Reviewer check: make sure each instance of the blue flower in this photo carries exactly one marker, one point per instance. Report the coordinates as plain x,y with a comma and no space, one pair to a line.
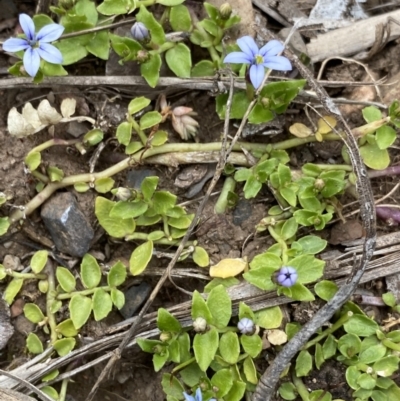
286,276
197,397
139,31
259,59
36,46
246,326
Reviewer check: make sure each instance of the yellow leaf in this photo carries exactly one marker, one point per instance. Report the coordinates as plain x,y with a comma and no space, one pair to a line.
300,130
228,268
318,136
277,337
326,124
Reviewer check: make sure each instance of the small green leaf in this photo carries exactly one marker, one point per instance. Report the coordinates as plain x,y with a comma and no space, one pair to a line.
200,257
259,114
138,104
269,318
385,136
117,275
289,228
361,326
64,346
205,346
51,392
375,158
124,133
349,345
118,298
287,391
33,160
222,380
81,187
325,289
299,292
159,138
50,376
252,345
179,60
220,306
38,261
372,354
245,311
229,347
172,387
167,322
236,392
90,271
179,18
329,347
150,119
80,308
99,46
312,244
103,185
352,375
371,113
140,258
319,356
54,173
67,328
303,363
162,201
148,19
12,290
250,370
126,209
148,187
385,367
203,68
200,308
110,7
66,279
33,313
389,299
102,304
308,268
34,344
150,70
4,225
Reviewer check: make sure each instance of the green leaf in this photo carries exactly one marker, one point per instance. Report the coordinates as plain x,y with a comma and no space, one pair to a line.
54,173
167,322
389,299
127,210
237,390
352,375
150,70
124,133
66,279
32,160
64,346
385,367
138,104
110,7
308,268
179,18
4,225
299,292
229,347
12,290
371,113
303,364
325,289
222,381
240,103
375,158
162,201
245,311
289,228
220,306
319,356
80,308
205,346
103,185
269,318
200,257
372,354
51,392
261,277
67,328
50,376
250,370
38,261
203,68
102,304
287,391
289,195
99,46
252,345
385,136
90,271
140,258
252,187
81,187
159,138
361,326
172,386
118,298
366,381
259,114
72,51
329,347
170,3
34,344
33,313
148,186
117,275
150,119
179,60
349,345
156,30
312,244
117,228
200,308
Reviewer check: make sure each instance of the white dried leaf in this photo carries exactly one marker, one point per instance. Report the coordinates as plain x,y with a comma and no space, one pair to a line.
47,114
68,107
277,337
31,115
17,125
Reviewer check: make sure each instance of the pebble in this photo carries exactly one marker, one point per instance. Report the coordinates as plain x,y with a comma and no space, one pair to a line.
68,226
242,212
134,297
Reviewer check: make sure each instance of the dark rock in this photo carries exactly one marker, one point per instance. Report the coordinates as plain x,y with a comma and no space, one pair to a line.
135,178
134,297
6,328
68,227
242,212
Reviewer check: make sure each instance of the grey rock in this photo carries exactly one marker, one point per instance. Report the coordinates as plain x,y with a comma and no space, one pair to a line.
242,212
134,297
135,178
68,227
77,129
6,328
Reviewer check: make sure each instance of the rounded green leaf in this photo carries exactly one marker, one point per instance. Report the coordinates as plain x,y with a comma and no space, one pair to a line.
229,347
287,391
12,290
34,344
155,28
361,326
389,299
372,354
371,113
366,381
375,158
150,70
200,308
103,185
289,228
352,375
167,322
126,209
385,137
250,370
172,386
220,306
66,279
200,257
80,308
150,119
51,392
117,275
102,304
118,298
159,138
303,363
308,268
170,3
236,392
38,261
205,346
138,104
33,313
179,18
385,367
325,289
312,244
140,258
270,318
32,160
179,60
252,345
124,133
50,376
204,68
81,187
148,187
222,380
90,271
67,328
64,346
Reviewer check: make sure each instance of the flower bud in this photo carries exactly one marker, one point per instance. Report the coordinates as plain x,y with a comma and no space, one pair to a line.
286,276
139,31
246,326
122,194
165,336
142,56
200,325
319,183
225,11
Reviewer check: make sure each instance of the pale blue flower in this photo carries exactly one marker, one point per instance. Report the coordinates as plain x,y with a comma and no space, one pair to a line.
246,326
36,46
259,59
197,397
286,276
139,31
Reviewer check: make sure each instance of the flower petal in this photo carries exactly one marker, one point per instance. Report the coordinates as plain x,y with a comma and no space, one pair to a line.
278,63
248,46
27,26
31,61
188,397
15,45
50,33
257,72
238,58
272,48
50,53
199,395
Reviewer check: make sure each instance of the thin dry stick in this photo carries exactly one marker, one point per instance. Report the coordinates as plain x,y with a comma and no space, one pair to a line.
117,353
266,386
28,385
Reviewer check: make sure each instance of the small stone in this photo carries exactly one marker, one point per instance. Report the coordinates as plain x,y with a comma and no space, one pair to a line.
135,178
68,227
242,212
77,129
6,328
134,297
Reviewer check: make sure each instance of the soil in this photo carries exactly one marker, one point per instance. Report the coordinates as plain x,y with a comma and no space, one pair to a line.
223,236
